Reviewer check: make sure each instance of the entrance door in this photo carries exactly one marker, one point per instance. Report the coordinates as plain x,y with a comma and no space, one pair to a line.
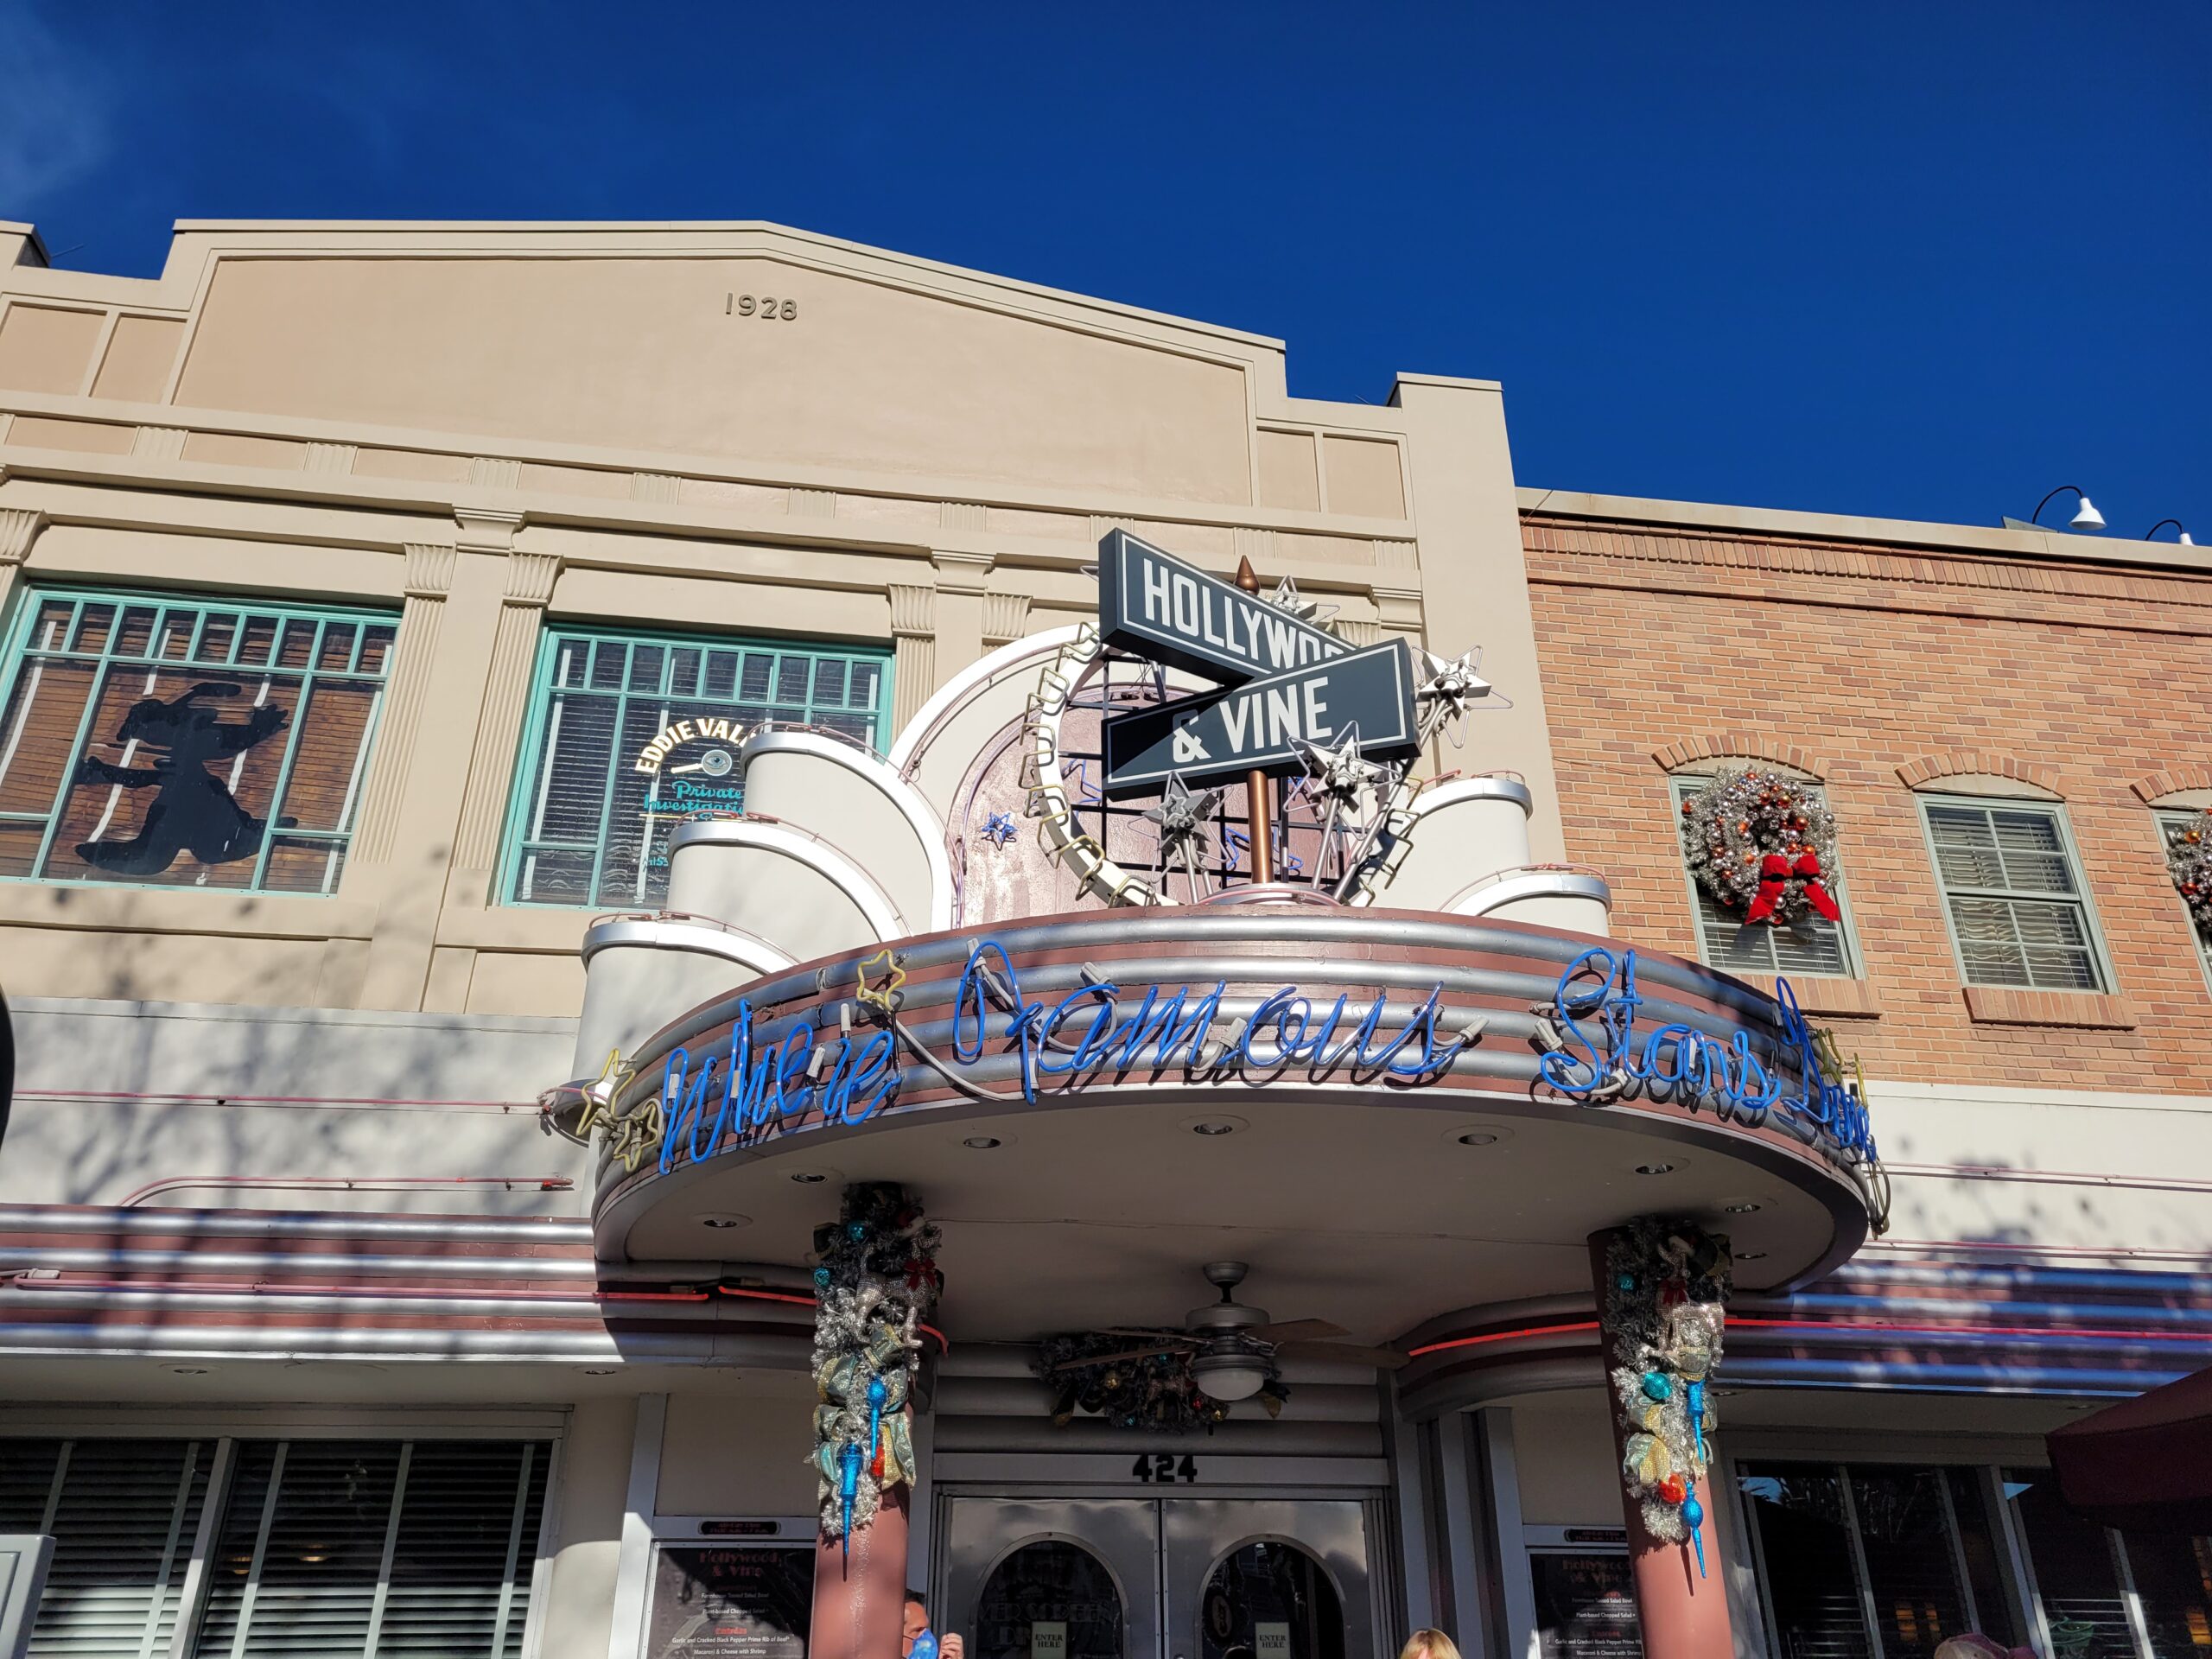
1037,1578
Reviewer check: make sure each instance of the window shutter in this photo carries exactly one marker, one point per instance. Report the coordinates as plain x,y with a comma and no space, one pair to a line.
381,1549
125,1515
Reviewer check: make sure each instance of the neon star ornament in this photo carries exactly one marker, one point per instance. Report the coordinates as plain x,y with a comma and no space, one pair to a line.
881,993
1448,684
1341,777
600,1092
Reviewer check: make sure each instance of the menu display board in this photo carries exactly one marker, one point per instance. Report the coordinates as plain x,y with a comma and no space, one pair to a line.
716,1601
1584,1606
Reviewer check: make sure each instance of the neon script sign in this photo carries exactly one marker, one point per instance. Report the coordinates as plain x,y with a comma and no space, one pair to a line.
1595,1054
1099,1028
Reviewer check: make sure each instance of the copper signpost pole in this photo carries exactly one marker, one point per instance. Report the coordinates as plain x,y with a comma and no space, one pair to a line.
1259,793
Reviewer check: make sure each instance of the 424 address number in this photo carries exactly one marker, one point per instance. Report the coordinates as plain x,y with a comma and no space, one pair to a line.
1165,1469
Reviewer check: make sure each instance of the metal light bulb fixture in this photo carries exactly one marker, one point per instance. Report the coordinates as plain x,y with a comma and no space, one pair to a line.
2184,540
2086,517
1226,1368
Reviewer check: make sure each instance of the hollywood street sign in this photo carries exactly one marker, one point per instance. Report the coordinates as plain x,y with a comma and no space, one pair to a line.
1252,728
1152,604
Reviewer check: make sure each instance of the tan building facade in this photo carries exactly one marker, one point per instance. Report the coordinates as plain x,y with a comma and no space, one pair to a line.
445,664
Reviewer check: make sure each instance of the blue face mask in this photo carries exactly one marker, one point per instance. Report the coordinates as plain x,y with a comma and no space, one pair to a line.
925,1645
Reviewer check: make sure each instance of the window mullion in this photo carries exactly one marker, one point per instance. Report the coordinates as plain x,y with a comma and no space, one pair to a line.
2138,1625
1958,1551
252,1591
390,1545
343,836
203,1545
99,667
53,1487
621,700
514,1549
300,703
1868,1610
169,1551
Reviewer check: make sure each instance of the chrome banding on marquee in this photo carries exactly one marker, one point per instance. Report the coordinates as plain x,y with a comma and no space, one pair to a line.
1400,1009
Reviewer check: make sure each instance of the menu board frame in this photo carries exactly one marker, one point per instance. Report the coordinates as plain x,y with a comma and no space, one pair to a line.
1595,1559
671,1628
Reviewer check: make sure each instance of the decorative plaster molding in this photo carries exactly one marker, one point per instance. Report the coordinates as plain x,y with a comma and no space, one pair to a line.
1357,635
1743,745
430,569
334,459
1396,555
1258,545
662,489
529,578
486,529
1980,763
2174,780
158,443
913,612
814,503
962,515
19,528
1006,618
494,472
962,573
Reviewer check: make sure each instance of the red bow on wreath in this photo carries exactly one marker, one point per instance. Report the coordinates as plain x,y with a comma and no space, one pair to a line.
1775,872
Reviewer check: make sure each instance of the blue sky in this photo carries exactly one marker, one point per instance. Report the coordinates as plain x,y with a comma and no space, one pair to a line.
1923,260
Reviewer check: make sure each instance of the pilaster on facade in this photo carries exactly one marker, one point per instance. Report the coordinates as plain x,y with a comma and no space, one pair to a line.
486,530
913,648
529,578
1396,589
429,580
963,590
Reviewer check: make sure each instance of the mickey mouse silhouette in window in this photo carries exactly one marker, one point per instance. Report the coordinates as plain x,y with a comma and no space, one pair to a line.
193,811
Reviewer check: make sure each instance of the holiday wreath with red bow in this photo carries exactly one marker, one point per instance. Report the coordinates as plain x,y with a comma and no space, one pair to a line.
2189,856
1763,844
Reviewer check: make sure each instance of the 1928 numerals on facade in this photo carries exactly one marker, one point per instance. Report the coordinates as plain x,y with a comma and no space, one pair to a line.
765,307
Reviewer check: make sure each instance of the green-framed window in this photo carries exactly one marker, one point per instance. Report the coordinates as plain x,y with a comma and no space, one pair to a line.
2013,891
2172,822
629,734
167,741
1813,945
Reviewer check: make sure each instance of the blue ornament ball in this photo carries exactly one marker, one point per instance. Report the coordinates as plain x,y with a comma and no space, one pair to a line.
1626,1281
1692,1514
822,1278
856,1231
1657,1385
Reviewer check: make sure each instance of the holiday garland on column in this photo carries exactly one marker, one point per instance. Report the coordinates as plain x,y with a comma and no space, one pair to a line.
2188,857
1763,844
876,1281
1667,1286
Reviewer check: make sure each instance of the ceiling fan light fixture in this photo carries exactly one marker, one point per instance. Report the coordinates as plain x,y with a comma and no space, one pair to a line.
1228,1376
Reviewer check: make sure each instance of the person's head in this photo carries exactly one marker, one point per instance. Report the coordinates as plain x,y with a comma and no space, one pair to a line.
1429,1644
914,1619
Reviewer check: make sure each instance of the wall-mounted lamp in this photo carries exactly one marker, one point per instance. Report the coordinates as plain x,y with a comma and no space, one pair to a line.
2086,517
2151,533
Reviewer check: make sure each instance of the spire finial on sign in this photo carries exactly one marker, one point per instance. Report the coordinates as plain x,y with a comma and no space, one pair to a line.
1259,794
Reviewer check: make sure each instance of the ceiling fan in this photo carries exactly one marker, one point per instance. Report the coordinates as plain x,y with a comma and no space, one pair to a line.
1232,1346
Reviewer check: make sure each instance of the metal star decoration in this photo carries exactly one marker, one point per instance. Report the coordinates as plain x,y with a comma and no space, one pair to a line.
999,830
1182,817
599,1093
1448,685
1287,597
630,1138
881,993
1340,778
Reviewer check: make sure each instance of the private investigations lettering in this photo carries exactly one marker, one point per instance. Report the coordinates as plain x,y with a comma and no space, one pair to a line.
847,1074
